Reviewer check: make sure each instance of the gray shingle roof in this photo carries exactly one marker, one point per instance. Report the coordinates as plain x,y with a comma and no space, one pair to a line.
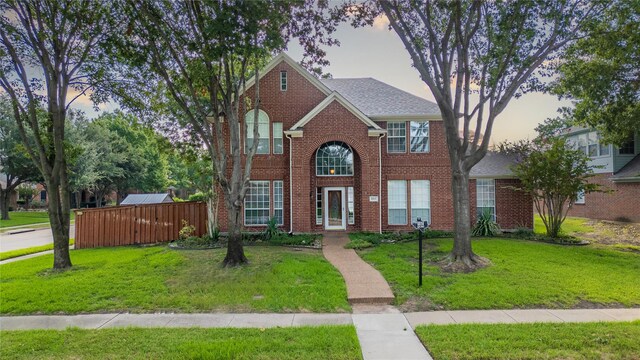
630,172
377,99
494,165
138,199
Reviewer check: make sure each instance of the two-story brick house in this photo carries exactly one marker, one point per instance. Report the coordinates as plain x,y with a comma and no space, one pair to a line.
617,169
354,154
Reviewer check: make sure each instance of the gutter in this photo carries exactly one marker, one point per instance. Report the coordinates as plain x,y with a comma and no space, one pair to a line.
290,183
380,180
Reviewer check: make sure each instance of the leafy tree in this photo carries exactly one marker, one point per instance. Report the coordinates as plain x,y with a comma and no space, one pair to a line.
475,56
196,56
600,73
15,163
554,174
27,192
49,49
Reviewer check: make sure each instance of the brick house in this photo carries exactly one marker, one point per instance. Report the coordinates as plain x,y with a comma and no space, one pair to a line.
354,154
617,169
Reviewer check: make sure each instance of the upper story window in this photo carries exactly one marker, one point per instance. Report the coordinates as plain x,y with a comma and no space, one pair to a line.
628,148
263,132
334,158
590,144
419,133
277,138
396,137
283,80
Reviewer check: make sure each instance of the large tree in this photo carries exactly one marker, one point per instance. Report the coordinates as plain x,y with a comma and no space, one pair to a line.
48,58
601,74
475,56
15,165
198,55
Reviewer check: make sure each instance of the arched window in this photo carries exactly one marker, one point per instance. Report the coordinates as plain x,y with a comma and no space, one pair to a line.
263,132
334,158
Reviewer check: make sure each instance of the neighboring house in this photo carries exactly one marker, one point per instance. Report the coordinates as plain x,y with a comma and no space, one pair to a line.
617,169
13,197
140,199
491,189
354,154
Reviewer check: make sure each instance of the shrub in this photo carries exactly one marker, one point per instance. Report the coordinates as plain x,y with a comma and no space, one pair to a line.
199,196
295,240
187,230
485,226
358,244
271,230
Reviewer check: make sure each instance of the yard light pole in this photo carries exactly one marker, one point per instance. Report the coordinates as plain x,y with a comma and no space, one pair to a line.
420,226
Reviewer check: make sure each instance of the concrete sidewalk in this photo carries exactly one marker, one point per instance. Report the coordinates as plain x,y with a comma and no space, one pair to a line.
365,285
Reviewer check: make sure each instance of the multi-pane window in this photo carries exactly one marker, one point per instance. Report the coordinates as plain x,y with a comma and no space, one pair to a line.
263,132
628,148
277,138
334,158
396,137
283,80
319,206
580,198
350,205
278,203
419,136
256,203
589,144
593,147
420,200
397,197
486,196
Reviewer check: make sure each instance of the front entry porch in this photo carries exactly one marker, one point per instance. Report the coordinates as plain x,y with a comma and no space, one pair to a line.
335,207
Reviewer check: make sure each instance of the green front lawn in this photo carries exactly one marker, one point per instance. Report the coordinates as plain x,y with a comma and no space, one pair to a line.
322,342
28,251
159,279
524,274
533,341
572,226
19,218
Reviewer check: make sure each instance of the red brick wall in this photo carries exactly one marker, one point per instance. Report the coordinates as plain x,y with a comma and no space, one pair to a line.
514,209
622,203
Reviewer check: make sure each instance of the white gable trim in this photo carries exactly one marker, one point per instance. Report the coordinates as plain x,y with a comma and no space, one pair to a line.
302,71
335,96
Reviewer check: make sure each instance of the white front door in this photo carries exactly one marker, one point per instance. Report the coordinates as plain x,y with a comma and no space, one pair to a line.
334,209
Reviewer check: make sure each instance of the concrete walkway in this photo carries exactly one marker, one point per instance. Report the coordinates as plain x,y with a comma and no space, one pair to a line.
365,285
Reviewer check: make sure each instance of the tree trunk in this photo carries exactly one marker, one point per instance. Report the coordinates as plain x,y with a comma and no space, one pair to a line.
5,196
462,257
59,217
235,253
78,199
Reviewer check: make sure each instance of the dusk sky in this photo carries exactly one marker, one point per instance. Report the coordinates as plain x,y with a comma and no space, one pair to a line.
379,53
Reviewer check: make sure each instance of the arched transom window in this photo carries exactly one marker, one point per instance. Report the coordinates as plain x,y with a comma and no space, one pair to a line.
334,158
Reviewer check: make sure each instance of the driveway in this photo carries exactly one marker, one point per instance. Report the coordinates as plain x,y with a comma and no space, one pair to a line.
29,239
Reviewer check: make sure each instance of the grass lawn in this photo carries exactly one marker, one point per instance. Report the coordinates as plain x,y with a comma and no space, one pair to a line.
322,342
571,226
18,218
524,274
533,341
160,279
32,250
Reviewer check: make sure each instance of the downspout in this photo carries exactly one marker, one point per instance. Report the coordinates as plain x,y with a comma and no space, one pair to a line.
290,183
380,180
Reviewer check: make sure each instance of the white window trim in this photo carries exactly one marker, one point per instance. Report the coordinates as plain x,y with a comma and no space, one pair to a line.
389,208
244,207
428,200
353,170
494,207
285,77
273,138
428,137
351,202
397,137
580,198
246,133
281,208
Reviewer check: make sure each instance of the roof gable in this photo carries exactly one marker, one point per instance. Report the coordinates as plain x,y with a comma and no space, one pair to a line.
294,65
335,96
138,199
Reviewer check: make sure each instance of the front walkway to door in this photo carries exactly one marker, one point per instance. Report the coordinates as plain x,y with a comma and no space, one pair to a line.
365,285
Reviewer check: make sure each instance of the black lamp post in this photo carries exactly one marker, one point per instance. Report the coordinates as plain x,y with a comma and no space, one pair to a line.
420,226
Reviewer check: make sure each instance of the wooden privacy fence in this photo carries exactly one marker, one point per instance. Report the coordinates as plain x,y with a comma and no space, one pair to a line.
137,224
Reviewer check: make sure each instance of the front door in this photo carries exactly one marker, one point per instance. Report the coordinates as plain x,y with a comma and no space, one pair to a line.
334,214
